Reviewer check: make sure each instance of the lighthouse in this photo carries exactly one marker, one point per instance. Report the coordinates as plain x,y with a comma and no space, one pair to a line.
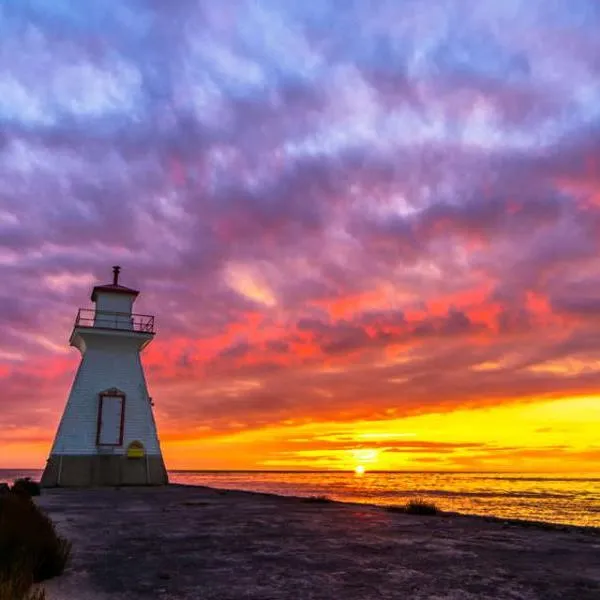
107,434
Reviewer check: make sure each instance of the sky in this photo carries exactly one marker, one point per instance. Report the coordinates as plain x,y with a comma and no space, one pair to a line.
369,231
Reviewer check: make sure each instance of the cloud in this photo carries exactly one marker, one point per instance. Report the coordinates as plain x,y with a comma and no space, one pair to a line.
356,210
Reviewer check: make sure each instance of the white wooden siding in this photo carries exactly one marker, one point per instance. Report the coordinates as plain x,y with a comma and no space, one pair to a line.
111,304
114,302
108,362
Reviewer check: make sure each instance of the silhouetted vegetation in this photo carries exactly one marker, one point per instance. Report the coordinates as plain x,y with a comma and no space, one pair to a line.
17,585
30,549
417,506
196,503
26,487
318,499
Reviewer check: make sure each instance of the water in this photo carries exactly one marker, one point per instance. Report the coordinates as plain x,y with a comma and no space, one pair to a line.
562,499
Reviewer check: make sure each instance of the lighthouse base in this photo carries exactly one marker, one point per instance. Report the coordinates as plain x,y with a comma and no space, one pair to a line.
103,470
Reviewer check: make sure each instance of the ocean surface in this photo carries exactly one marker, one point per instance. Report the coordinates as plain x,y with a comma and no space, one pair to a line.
573,499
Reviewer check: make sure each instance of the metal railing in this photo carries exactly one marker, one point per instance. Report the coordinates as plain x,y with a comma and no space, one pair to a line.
88,317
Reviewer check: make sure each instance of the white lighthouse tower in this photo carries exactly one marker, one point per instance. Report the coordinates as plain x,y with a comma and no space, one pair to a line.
107,434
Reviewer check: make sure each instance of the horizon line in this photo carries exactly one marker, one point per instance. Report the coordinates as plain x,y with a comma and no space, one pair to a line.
408,471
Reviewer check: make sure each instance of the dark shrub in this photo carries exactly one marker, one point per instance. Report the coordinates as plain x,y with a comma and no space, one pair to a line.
195,503
317,499
419,506
26,487
4,488
30,549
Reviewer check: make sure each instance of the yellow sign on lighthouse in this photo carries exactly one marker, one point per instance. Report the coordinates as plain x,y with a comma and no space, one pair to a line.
136,450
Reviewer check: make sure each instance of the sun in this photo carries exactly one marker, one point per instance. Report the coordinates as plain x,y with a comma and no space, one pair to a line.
359,469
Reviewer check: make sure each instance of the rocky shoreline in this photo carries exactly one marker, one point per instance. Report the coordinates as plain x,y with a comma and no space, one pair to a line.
188,542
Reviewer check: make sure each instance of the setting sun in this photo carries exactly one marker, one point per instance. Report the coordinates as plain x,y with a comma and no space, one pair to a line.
359,470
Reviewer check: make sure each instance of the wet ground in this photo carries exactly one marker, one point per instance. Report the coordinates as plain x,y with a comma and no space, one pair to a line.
202,544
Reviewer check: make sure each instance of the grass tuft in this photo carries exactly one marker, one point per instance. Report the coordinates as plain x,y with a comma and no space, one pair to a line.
17,585
317,499
30,549
195,503
420,506
416,506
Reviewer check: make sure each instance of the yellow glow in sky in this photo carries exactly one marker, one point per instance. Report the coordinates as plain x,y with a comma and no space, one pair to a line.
250,284
546,435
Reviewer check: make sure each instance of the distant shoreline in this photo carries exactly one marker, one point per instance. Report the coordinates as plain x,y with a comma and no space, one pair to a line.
546,525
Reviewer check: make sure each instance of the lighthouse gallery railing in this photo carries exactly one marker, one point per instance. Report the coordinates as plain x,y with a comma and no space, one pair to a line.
88,317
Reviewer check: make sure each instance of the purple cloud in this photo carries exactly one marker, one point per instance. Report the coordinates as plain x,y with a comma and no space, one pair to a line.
303,187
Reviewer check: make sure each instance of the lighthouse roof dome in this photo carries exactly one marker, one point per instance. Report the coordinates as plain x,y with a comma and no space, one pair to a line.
114,287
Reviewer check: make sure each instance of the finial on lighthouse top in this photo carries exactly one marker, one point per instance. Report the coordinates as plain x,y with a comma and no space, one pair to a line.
113,288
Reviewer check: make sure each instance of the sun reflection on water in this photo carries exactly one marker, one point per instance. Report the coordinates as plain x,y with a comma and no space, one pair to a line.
553,498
